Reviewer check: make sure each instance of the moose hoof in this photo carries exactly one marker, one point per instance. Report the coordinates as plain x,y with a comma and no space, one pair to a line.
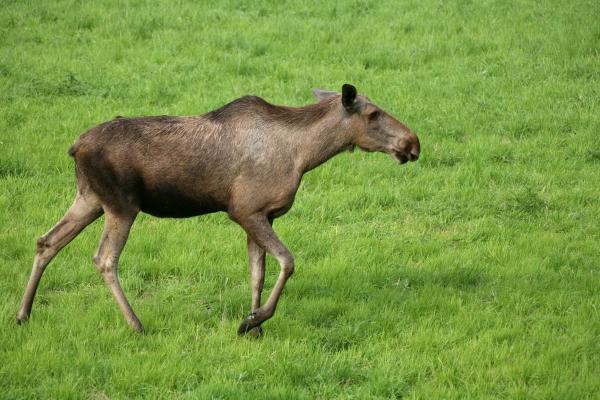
255,332
136,326
22,318
250,325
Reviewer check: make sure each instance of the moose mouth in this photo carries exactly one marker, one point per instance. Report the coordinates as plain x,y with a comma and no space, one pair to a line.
403,157
400,157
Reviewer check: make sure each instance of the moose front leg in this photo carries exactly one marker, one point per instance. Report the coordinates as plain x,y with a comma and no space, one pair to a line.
260,232
256,265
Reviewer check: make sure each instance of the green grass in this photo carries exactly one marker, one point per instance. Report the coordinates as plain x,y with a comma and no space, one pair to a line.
473,273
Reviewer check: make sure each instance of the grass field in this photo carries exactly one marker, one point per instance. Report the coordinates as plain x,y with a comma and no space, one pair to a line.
473,273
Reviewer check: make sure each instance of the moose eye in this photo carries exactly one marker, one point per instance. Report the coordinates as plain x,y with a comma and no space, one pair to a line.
374,115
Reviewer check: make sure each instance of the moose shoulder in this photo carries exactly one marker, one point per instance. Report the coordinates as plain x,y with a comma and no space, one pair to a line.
246,158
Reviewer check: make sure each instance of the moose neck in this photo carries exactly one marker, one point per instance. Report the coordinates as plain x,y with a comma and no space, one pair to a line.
324,138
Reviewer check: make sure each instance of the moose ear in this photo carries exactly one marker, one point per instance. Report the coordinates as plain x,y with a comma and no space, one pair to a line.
349,97
323,94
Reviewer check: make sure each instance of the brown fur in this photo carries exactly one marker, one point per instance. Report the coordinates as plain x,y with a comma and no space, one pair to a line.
246,158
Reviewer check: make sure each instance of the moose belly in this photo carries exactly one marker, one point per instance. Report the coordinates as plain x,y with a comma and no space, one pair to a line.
169,201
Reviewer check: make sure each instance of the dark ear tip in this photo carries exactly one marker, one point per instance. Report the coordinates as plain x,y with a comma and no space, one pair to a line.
348,88
348,96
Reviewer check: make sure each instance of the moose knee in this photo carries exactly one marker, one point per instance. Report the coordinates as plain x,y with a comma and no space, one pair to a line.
287,265
44,249
42,244
106,267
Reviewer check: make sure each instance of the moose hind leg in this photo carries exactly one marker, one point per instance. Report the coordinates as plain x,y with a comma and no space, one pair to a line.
84,211
116,232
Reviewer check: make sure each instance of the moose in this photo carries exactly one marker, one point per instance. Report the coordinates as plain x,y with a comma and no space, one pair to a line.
246,158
